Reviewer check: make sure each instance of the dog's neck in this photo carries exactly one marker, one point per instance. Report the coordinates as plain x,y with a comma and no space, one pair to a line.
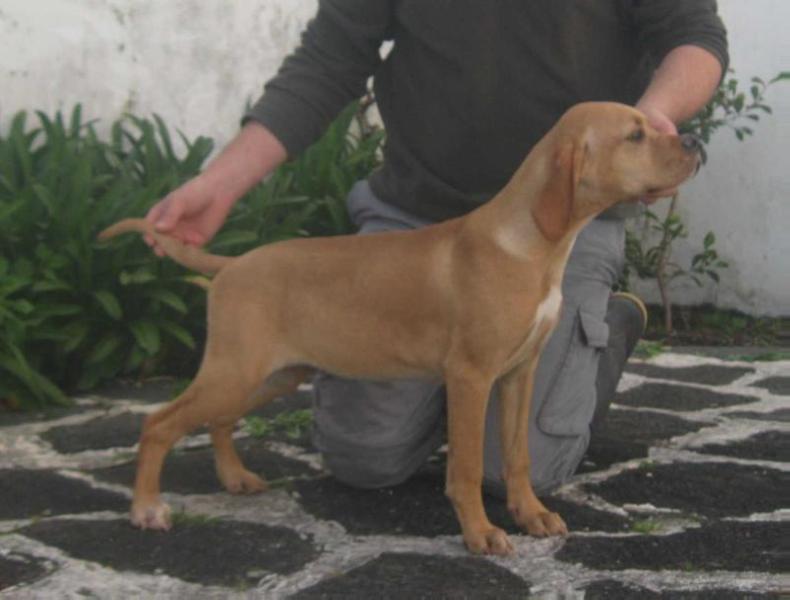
510,222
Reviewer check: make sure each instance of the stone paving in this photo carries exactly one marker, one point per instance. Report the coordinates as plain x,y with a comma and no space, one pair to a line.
685,495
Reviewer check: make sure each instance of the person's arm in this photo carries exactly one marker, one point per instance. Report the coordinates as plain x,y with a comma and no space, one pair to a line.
683,83
689,42
338,53
195,211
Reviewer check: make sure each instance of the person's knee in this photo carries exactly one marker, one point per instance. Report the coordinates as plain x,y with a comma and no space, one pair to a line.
367,469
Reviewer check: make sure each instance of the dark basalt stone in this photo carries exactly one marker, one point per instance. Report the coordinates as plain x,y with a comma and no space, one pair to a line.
150,391
616,590
193,471
421,577
776,385
628,434
118,431
678,397
18,569
705,489
702,374
768,445
419,507
211,552
782,415
727,546
27,493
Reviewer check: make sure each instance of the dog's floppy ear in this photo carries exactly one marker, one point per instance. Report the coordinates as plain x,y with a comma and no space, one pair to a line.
552,210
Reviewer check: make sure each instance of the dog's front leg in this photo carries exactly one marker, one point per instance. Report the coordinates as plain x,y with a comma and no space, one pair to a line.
467,396
515,399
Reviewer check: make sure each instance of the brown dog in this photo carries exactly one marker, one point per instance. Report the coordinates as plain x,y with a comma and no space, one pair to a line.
470,301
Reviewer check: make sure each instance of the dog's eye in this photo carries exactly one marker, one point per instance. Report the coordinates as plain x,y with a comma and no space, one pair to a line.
636,136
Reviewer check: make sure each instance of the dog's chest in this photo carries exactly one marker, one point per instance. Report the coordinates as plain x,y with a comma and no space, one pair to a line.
549,308
546,316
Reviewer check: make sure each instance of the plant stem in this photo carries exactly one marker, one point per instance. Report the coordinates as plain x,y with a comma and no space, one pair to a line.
661,270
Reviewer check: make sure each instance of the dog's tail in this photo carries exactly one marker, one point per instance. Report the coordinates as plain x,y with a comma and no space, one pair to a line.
184,254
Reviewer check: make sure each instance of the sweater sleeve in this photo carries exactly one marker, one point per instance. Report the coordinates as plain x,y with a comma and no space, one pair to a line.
662,25
339,51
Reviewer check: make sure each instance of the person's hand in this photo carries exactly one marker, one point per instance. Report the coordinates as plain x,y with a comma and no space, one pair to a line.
192,213
663,124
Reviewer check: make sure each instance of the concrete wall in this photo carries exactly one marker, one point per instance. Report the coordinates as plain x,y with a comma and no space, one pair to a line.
196,62
743,194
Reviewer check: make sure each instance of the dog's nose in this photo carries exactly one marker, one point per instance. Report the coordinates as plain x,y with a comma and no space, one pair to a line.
691,143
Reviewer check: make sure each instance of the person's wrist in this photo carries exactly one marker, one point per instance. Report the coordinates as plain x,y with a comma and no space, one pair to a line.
658,116
216,190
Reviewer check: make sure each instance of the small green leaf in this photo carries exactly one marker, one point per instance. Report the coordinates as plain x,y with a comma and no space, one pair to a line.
106,346
235,238
169,298
147,335
138,277
109,303
179,333
51,285
75,333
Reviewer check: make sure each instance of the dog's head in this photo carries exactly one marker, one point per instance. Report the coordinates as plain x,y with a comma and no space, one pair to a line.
602,153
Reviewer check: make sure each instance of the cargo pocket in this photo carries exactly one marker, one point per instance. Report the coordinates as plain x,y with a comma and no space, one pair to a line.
570,400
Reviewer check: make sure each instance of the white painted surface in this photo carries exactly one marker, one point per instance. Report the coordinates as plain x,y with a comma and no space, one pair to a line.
197,62
743,194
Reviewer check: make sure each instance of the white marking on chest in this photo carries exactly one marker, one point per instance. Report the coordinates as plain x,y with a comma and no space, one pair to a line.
547,310
549,307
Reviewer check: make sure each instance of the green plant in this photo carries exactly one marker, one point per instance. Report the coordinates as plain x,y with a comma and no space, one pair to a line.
293,424
19,378
89,314
307,196
645,526
655,262
648,349
74,312
729,108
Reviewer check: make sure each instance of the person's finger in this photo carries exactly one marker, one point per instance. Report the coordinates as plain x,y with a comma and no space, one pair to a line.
152,216
169,217
661,122
193,238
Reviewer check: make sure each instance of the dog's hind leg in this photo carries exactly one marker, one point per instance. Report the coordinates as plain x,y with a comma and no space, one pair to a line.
208,399
230,469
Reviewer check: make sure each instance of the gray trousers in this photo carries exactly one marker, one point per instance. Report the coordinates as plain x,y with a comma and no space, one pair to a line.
378,433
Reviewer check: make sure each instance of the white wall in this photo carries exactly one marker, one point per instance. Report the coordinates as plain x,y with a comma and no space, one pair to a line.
743,194
196,62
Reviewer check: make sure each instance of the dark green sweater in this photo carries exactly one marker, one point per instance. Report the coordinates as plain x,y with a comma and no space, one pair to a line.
471,85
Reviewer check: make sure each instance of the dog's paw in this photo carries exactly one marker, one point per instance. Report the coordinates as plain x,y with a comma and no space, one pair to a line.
543,524
492,540
151,516
243,482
